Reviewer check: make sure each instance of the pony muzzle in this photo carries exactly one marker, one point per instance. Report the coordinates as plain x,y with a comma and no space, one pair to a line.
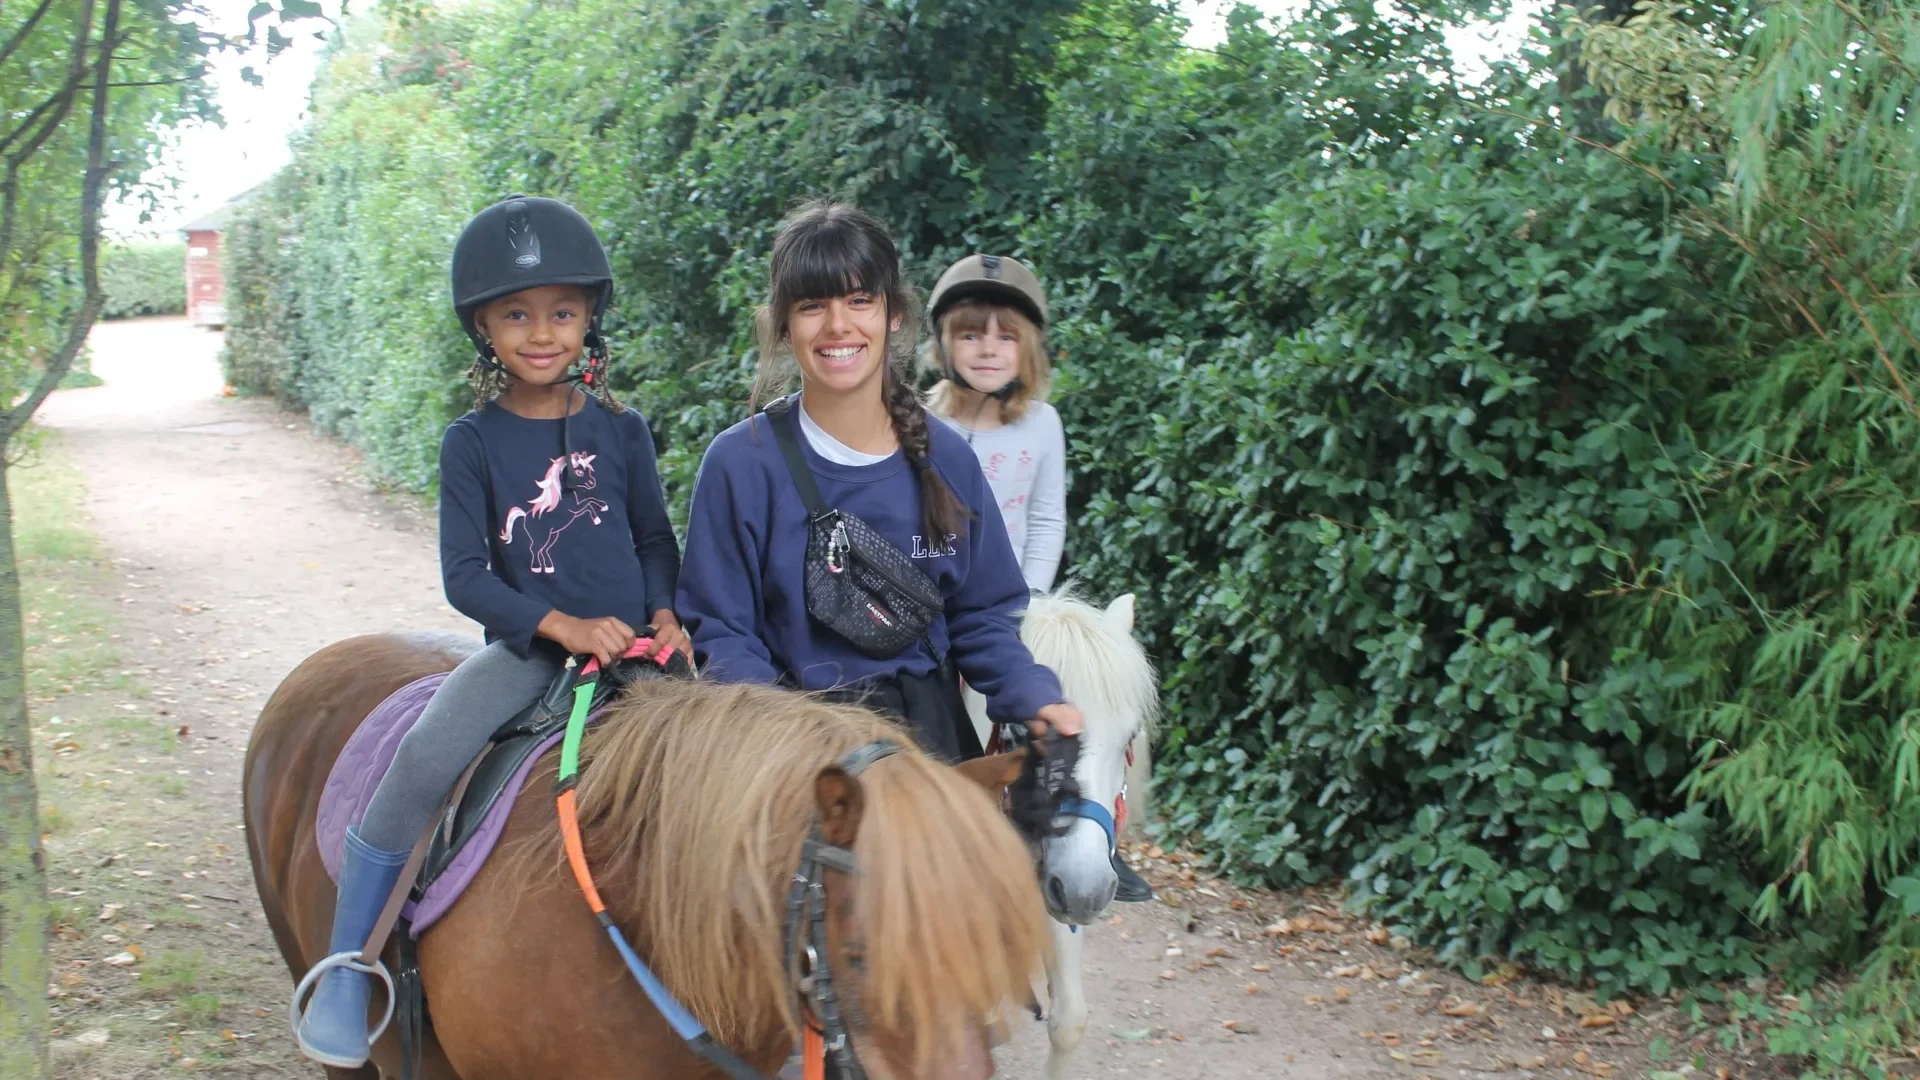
1079,883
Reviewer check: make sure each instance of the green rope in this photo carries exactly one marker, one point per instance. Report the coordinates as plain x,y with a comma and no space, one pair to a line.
576,727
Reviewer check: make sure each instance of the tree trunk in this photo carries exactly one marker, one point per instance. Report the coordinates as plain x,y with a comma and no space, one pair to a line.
25,918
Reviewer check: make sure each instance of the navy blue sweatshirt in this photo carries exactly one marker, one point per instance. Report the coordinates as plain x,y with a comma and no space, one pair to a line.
742,592
515,545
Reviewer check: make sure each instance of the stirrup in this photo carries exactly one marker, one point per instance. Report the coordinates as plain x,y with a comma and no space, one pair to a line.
349,959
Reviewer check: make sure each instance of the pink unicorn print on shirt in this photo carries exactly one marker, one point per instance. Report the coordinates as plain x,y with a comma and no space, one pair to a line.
549,500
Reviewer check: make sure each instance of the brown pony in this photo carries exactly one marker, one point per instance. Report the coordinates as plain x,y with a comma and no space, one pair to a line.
694,799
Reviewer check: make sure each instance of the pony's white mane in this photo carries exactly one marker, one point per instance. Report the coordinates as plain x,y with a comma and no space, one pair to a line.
1104,672
1103,663
1103,669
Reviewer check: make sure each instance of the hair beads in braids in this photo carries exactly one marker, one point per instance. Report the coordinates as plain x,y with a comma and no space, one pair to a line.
828,249
595,377
486,378
489,380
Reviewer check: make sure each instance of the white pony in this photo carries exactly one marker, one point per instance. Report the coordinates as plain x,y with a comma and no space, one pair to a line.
1108,675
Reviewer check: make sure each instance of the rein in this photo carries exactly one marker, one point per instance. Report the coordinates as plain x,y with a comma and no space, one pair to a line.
1110,822
806,930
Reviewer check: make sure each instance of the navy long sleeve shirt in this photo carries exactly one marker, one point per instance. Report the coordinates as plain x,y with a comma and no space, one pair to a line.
515,544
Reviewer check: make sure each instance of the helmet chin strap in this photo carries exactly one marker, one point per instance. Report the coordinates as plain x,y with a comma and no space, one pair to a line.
591,377
1001,395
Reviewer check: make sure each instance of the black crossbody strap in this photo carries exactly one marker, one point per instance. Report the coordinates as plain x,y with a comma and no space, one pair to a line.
786,430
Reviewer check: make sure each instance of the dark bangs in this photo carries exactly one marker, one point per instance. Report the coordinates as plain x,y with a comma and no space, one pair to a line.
829,251
824,250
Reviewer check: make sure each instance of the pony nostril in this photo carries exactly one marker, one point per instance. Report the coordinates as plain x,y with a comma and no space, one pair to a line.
1056,893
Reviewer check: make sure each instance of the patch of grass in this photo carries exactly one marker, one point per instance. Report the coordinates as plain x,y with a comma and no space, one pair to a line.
198,1010
69,647
171,914
141,733
73,912
103,794
53,820
172,973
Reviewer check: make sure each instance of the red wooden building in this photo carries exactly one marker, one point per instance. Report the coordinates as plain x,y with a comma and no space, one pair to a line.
206,285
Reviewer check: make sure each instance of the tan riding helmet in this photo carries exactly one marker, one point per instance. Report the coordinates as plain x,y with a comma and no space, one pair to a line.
997,278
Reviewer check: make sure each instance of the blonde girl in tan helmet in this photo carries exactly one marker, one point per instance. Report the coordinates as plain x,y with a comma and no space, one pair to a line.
989,316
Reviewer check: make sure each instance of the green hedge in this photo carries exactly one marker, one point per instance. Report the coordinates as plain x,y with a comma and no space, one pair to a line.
1523,521
143,279
351,319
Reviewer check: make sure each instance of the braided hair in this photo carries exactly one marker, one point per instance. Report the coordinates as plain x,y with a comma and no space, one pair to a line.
828,248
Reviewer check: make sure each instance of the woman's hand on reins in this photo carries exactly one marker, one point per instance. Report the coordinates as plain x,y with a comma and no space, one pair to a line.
1061,716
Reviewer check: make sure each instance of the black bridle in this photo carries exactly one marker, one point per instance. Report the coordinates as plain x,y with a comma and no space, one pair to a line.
807,956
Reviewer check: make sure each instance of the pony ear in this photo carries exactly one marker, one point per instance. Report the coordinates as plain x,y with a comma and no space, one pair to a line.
841,801
1120,612
993,773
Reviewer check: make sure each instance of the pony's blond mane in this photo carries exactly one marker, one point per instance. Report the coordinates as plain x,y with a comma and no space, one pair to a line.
694,799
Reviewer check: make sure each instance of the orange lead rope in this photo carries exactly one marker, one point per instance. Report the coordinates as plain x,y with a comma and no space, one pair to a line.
813,1055
576,853
684,1023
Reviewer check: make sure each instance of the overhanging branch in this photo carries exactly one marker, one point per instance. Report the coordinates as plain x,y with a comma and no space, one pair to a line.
26,28
10,186
91,187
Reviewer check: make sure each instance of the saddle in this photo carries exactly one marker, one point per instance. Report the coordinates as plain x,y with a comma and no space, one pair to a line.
508,748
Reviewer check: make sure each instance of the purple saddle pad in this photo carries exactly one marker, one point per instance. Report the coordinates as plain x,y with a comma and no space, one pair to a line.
357,772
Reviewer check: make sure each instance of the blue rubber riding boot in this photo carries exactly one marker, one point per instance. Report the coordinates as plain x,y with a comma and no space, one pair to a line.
334,1029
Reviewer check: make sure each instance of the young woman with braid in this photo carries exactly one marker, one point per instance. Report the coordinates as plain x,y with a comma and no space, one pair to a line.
840,310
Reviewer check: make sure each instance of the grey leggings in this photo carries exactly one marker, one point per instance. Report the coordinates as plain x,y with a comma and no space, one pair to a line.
478,696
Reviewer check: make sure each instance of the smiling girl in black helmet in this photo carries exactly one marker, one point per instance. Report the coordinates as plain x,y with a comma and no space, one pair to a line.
989,318
554,537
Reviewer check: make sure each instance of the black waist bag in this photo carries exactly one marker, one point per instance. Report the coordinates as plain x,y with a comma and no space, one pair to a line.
858,584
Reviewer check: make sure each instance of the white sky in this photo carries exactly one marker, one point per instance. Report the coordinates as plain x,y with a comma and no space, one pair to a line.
212,164
1471,45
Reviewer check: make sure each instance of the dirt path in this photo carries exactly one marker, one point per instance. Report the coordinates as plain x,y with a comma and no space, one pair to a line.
237,541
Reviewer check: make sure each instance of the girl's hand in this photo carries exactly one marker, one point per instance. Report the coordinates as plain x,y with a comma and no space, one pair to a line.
606,638
1060,716
667,634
